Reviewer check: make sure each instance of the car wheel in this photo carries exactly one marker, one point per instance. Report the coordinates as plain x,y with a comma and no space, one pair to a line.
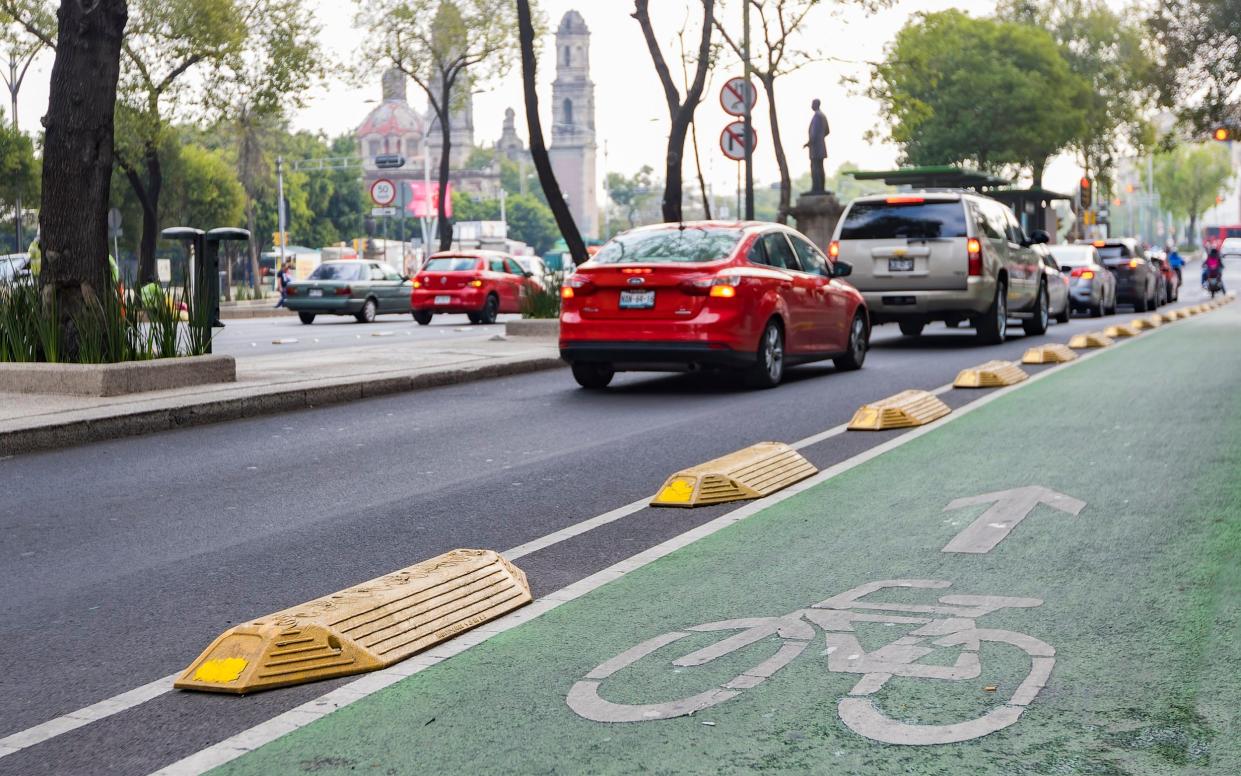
423,317
768,370
473,317
1139,305
856,355
1066,314
306,318
1099,310
593,377
912,328
367,313
993,326
1036,325
491,309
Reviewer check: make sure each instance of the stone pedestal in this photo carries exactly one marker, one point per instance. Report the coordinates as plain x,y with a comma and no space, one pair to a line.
816,216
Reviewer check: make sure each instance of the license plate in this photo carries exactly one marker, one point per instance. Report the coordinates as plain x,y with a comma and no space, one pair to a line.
443,299
637,300
315,292
900,265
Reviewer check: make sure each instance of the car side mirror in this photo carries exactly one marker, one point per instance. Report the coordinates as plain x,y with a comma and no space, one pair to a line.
528,274
842,269
1039,237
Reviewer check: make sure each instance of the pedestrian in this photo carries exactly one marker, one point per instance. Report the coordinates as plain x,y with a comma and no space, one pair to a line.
282,283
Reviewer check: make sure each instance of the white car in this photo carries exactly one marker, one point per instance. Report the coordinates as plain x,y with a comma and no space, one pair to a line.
1230,248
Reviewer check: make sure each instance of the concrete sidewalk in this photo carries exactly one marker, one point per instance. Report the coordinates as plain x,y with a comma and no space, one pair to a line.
265,384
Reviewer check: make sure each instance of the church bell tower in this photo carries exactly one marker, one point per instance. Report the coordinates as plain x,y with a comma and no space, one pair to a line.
573,148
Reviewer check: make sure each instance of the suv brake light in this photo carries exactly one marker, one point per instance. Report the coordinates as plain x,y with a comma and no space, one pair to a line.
974,247
1083,273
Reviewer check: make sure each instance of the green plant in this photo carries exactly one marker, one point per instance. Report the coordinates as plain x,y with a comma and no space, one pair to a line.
541,303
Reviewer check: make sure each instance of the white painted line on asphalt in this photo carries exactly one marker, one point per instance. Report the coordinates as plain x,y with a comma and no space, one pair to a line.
127,700
266,732
76,719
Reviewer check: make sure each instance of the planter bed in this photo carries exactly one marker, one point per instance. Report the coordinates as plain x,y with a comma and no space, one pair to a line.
117,379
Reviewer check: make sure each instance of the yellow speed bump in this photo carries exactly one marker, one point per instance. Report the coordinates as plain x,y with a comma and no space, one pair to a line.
993,374
909,408
363,628
1172,315
1119,331
1093,339
1143,324
746,474
1048,354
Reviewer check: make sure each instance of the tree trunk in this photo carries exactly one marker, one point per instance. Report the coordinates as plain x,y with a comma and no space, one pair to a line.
1036,171
1193,230
148,192
782,161
256,268
444,228
538,150
77,157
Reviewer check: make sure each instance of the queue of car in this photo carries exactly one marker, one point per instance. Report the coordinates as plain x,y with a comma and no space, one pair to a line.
753,298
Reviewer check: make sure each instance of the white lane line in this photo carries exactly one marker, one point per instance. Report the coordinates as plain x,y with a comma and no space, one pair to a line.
264,733
127,700
76,719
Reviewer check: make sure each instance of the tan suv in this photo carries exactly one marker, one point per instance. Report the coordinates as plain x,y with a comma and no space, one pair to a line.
949,256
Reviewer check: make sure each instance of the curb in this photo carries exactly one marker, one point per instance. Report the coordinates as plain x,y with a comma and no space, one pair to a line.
80,432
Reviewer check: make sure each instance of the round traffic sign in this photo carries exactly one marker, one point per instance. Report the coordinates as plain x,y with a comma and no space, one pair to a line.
733,141
383,192
737,95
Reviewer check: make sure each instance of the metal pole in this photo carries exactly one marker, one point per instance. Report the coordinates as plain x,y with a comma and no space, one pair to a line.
280,215
749,125
17,206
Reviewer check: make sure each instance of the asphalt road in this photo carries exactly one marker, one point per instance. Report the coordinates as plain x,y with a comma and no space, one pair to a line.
250,337
122,560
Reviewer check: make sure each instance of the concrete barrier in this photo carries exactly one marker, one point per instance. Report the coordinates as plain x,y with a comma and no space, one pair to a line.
117,379
533,327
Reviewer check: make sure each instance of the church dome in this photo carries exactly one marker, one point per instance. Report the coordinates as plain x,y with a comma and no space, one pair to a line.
572,21
394,117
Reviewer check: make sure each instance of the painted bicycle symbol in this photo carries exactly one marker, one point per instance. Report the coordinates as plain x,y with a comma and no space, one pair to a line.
949,623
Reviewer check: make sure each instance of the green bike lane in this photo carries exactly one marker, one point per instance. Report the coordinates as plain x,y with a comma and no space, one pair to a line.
1134,605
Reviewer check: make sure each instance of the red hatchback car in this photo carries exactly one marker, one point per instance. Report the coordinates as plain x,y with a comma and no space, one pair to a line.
481,284
676,297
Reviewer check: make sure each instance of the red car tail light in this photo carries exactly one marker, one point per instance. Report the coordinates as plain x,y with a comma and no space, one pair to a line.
1084,274
718,286
475,284
576,285
344,291
417,283
974,247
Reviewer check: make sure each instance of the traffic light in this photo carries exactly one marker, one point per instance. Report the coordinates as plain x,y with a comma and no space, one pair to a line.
1087,192
1222,134
390,161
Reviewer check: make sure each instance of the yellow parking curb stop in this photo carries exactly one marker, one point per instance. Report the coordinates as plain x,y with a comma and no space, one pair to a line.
746,474
363,628
1143,324
906,409
993,374
1048,354
1119,331
1093,339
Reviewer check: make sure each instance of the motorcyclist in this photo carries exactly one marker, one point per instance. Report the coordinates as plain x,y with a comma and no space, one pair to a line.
1175,261
1213,267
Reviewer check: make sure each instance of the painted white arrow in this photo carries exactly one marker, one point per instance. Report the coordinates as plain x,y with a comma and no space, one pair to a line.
1008,509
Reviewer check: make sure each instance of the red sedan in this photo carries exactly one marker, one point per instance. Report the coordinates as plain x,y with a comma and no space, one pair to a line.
481,284
676,297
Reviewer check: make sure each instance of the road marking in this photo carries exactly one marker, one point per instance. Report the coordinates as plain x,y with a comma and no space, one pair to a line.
1008,509
265,732
131,698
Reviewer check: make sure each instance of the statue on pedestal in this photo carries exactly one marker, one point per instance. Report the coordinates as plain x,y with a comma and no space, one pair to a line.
819,130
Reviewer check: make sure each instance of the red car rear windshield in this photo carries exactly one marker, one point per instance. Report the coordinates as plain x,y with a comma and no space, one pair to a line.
691,244
458,264
886,220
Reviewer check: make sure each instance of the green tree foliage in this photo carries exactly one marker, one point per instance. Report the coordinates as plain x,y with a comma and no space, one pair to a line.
1201,46
1190,177
204,191
19,168
1111,51
978,91
631,192
531,221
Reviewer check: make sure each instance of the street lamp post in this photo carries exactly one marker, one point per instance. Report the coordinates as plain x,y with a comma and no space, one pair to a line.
19,65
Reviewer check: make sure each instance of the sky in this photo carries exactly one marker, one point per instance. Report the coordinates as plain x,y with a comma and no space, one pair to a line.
631,117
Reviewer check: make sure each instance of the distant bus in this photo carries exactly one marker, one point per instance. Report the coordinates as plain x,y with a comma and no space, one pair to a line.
1212,236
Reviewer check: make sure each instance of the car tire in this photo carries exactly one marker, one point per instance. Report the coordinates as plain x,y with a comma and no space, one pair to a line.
593,377
1066,314
859,343
423,317
1099,310
768,369
1139,305
992,328
306,318
1036,325
912,328
368,312
490,311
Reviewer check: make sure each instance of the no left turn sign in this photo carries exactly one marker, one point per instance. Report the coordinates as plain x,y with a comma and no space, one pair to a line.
383,192
737,95
733,141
